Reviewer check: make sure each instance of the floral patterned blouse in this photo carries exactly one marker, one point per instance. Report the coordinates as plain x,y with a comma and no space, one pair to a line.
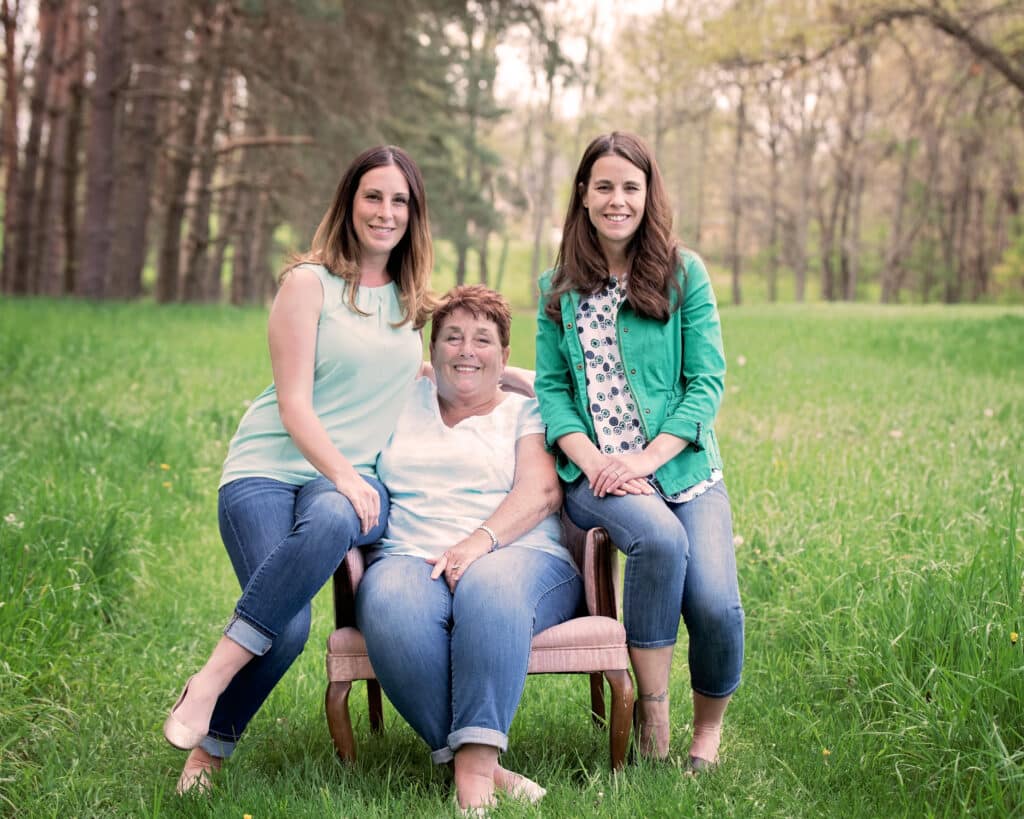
612,406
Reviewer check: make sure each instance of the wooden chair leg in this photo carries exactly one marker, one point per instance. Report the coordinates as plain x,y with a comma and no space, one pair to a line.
338,720
597,699
621,707
376,706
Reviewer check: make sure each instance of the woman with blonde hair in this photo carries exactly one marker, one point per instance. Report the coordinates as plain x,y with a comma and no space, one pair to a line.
299,485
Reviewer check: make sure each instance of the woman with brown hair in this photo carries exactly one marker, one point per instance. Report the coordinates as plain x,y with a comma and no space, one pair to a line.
630,372
299,485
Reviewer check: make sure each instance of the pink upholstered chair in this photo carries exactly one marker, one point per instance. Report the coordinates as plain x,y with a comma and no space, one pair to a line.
594,644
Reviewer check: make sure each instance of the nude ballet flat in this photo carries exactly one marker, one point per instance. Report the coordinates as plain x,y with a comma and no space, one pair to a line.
176,732
698,765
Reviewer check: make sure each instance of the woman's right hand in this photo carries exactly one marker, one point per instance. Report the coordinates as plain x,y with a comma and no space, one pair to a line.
362,496
615,475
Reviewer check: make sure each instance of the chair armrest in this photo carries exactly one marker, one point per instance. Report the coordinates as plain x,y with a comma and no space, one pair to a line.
346,580
598,561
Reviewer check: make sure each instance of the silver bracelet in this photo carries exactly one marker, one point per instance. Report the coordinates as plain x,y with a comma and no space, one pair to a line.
490,533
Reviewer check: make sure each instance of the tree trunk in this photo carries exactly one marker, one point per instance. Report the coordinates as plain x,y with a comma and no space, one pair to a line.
140,145
101,152
774,184
242,290
543,200
73,167
702,153
50,236
735,198
227,212
10,143
211,59
484,272
461,250
24,227
179,171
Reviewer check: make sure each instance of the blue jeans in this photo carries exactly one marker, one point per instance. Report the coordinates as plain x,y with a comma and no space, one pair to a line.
680,559
284,542
454,665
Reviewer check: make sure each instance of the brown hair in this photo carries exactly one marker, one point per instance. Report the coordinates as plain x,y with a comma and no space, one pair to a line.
653,253
482,302
336,246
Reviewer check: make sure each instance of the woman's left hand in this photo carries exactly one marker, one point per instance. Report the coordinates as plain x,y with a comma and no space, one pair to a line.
454,562
625,472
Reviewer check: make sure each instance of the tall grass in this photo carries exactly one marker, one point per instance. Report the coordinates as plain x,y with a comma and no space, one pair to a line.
874,461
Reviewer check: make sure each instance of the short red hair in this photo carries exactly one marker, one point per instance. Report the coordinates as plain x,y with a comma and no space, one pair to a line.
481,302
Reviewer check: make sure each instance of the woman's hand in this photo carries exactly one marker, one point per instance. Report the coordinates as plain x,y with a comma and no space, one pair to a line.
621,474
454,562
362,496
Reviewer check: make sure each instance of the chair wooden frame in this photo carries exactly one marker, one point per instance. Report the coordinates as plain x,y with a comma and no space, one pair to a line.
594,644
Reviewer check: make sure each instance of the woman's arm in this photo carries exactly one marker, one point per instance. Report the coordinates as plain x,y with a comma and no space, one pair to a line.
292,330
519,380
554,381
703,358
535,494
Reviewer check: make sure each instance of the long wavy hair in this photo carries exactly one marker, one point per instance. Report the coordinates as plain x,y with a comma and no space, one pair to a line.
652,254
336,245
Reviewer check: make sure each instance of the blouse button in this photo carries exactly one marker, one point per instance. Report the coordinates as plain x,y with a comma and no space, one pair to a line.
647,412
568,325
633,371
579,366
625,329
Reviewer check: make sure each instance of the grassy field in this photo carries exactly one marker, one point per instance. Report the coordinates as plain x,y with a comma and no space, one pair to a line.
874,460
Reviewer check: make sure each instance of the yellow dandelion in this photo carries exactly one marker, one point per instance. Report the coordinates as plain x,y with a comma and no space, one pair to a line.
246,816
825,752
168,484
1014,636
165,467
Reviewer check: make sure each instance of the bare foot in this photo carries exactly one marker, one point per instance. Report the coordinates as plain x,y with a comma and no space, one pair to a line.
653,727
474,791
517,786
196,773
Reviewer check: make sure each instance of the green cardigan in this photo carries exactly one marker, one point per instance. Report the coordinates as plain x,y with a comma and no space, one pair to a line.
676,371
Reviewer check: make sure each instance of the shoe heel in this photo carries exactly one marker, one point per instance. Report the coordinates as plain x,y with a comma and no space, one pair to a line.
176,732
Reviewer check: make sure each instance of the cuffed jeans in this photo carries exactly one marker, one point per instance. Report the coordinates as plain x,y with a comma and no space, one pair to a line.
680,559
284,542
454,665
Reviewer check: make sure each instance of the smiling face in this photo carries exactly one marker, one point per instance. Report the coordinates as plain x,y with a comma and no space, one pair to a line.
615,197
380,212
468,358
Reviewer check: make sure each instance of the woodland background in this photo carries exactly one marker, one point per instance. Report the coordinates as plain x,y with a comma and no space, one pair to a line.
179,151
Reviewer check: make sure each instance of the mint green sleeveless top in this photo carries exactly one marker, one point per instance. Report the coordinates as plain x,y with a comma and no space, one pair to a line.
363,373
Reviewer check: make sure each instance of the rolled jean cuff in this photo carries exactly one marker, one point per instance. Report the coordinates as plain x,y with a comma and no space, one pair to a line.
477,736
248,636
220,748
442,756
650,643
717,695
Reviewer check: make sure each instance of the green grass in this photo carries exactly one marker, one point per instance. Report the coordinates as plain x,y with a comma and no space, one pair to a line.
874,461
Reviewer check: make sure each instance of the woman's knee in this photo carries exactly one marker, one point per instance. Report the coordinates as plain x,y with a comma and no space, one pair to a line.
663,542
330,518
719,617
